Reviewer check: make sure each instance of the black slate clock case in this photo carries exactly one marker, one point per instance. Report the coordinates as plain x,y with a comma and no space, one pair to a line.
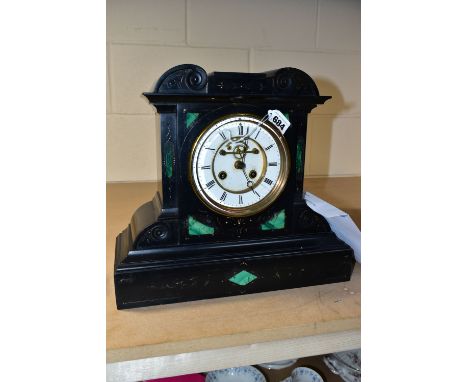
175,249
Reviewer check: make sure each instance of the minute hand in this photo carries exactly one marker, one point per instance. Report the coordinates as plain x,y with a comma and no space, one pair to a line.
249,182
247,136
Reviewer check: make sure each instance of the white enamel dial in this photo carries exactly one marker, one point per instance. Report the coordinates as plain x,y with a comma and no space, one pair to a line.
239,165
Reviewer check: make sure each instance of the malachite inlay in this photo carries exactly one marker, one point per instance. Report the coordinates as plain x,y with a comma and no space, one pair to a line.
190,117
168,159
242,278
196,228
276,222
300,157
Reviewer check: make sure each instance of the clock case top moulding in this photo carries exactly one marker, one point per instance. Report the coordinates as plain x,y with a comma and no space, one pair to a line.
175,249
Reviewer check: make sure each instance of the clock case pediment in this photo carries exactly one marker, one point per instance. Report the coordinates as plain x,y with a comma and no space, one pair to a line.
176,237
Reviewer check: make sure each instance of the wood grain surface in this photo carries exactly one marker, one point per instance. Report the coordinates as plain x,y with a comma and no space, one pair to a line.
234,321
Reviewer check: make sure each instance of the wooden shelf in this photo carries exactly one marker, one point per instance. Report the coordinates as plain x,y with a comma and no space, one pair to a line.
205,335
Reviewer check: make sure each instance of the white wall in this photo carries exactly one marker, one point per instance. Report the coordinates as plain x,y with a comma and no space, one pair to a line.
147,37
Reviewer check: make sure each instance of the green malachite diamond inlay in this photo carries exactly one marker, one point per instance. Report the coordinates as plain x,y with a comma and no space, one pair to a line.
276,222
190,117
242,278
196,228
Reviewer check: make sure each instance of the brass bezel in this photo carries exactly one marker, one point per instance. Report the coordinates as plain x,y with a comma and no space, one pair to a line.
271,196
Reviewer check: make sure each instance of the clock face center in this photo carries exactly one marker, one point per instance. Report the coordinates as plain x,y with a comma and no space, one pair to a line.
239,165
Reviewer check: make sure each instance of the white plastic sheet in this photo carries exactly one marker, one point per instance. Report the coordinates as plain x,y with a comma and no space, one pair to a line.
340,222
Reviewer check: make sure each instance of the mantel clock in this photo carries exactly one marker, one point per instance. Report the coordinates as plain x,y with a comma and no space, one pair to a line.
230,217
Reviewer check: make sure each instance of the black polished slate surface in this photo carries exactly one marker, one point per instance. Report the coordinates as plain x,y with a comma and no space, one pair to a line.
158,261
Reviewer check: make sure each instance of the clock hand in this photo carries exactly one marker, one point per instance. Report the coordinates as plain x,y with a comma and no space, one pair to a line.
249,182
256,127
247,136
